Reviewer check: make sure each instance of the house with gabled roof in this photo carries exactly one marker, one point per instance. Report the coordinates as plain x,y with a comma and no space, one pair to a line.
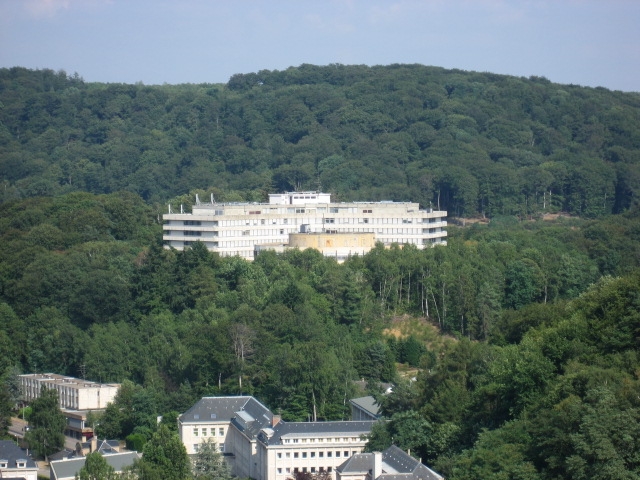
392,464
15,463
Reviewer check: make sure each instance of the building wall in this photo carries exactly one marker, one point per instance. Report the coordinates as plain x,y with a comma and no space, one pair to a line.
243,449
194,433
278,462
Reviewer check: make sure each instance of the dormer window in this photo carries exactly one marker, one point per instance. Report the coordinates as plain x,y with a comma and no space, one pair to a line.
21,463
3,463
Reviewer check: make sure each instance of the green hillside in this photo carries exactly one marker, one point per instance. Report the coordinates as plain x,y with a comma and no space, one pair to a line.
523,333
472,143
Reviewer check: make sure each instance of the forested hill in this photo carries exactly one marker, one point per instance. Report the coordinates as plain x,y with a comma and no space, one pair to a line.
471,143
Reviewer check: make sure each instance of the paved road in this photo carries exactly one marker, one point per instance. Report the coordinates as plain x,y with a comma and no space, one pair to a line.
16,428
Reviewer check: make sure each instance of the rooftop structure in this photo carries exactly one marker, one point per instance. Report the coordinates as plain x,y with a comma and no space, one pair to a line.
365,408
241,228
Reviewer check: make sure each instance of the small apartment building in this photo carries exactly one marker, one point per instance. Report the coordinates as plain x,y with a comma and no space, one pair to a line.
73,393
311,447
239,228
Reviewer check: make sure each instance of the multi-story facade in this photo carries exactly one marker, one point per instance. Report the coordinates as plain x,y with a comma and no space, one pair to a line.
232,423
73,393
237,228
257,444
308,447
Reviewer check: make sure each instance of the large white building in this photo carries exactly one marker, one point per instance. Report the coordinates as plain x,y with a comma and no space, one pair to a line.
258,444
240,228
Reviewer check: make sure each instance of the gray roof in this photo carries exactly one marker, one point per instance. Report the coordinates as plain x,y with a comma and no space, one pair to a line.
367,404
396,459
10,452
68,468
215,409
396,465
252,418
358,463
300,429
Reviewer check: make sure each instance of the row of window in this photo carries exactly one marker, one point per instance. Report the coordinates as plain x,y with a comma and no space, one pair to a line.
203,431
321,440
262,233
304,470
298,221
321,454
219,447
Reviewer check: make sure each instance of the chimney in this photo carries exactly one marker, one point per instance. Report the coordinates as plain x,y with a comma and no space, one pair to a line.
94,443
377,464
275,420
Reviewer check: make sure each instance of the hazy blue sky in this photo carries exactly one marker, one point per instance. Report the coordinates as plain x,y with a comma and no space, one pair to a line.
584,42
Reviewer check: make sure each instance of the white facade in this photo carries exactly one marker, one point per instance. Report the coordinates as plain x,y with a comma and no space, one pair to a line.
236,228
313,447
231,423
258,445
73,393
194,433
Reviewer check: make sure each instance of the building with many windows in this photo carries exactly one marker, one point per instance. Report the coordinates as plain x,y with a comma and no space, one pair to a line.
73,393
242,228
258,444
308,447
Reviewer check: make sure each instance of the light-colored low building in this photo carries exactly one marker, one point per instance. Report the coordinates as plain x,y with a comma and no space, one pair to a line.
239,228
339,246
73,393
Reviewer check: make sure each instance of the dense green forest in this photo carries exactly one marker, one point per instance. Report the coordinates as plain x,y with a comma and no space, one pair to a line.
470,143
522,333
